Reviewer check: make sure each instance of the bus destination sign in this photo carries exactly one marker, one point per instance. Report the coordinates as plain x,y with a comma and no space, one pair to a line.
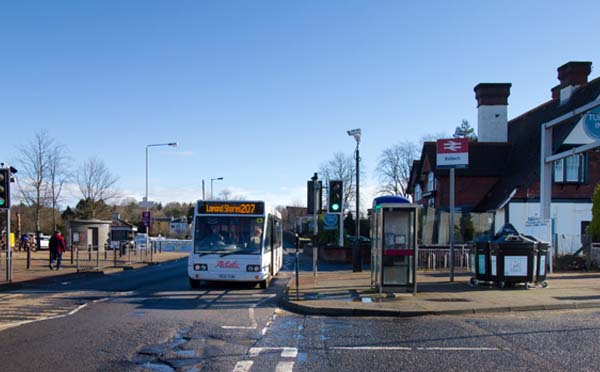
225,207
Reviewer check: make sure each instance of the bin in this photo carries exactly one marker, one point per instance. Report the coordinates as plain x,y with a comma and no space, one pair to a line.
540,275
513,259
480,261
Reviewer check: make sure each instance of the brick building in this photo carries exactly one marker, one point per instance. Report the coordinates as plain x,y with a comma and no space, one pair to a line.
502,183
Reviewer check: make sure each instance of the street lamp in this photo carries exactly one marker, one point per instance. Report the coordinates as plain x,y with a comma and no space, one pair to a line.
147,202
356,256
211,185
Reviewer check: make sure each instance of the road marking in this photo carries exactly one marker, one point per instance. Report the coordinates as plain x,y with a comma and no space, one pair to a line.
284,367
405,348
243,366
253,323
237,327
371,348
459,348
286,352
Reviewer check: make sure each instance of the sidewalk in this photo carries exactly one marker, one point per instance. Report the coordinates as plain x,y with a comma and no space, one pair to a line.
40,273
337,291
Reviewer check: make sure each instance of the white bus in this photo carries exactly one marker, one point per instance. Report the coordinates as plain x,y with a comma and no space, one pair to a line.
235,241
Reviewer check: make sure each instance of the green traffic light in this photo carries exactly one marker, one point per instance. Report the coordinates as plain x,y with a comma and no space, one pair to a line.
1,202
335,207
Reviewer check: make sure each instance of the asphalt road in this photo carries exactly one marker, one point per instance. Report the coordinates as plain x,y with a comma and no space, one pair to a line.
150,320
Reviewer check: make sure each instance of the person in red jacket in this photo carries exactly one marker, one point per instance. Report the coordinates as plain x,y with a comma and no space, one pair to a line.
57,246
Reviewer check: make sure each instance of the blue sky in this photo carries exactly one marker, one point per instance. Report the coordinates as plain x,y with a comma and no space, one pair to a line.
262,92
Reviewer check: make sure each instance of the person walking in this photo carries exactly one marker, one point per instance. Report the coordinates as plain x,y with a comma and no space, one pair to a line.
57,246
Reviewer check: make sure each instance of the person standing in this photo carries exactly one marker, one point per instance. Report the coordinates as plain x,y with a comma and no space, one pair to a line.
57,246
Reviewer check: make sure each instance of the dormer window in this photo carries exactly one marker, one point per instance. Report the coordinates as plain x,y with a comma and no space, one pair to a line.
430,182
570,169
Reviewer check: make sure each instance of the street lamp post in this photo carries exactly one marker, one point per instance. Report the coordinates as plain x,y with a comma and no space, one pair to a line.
172,144
211,185
356,254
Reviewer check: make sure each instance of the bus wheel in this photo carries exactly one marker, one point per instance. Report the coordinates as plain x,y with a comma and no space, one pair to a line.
194,283
265,283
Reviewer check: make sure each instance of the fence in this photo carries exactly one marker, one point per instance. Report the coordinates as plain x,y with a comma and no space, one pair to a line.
436,258
595,254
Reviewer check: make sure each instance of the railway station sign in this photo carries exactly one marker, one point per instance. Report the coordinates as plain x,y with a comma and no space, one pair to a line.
453,153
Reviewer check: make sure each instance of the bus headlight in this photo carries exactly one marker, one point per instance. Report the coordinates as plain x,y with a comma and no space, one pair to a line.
253,268
200,267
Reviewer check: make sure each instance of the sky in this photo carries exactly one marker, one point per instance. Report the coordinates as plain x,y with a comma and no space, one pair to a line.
262,93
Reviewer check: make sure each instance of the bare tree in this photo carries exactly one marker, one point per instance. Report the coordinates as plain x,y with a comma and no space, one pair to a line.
96,184
393,167
58,175
341,167
33,162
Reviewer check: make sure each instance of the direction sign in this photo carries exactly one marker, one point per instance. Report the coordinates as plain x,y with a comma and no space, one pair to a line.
330,219
591,124
146,218
453,153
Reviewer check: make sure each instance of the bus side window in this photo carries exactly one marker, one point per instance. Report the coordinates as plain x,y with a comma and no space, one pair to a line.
268,235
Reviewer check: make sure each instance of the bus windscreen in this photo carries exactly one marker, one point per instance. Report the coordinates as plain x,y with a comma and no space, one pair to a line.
228,235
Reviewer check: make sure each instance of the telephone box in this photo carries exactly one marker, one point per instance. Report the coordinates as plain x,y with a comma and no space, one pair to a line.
394,243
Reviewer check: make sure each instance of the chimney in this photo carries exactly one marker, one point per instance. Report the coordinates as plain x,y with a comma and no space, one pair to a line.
492,111
572,75
556,92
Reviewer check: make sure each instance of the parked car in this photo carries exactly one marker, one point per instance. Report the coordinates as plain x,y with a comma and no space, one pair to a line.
44,242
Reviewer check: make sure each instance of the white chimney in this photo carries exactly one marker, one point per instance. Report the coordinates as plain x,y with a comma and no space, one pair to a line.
572,75
492,111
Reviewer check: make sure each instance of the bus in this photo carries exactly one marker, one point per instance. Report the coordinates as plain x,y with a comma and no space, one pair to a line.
236,241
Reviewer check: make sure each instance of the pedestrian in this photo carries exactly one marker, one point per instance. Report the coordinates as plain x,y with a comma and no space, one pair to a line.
57,246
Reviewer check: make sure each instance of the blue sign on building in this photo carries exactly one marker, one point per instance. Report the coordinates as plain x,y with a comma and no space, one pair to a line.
591,123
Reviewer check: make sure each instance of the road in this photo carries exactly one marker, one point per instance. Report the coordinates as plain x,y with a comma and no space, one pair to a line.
150,320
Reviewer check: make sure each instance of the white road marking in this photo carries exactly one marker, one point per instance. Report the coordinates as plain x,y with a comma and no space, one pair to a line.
284,367
237,327
371,348
253,323
404,348
289,352
243,366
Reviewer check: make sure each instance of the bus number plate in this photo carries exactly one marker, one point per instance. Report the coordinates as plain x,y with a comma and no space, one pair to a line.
226,276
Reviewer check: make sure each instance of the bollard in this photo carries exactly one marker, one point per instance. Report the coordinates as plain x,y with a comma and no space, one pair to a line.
115,257
297,267
77,259
129,252
105,252
98,258
315,254
89,252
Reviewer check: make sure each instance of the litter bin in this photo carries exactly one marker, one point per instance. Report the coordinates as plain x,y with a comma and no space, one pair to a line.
480,261
513,259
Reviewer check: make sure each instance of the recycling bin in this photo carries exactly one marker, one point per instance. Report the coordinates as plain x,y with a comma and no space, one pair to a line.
513,259
480,261
540,275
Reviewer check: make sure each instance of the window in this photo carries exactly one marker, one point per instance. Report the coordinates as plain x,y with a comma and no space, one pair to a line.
571,169
430,182
418,193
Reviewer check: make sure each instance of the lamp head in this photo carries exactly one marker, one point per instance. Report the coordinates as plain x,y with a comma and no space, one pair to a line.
172,144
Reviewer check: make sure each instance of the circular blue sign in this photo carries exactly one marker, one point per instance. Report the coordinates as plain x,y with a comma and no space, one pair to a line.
330,219
591,124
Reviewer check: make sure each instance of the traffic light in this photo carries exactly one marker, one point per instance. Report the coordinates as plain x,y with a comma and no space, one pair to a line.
336,196
310,197
4,188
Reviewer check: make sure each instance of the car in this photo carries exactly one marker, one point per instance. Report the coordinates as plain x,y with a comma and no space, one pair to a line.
44,242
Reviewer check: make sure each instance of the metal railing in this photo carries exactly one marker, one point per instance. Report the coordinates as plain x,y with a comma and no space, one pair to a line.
438,258
91,258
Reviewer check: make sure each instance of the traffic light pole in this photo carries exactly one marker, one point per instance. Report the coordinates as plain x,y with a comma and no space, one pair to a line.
8,250
316,225
356,254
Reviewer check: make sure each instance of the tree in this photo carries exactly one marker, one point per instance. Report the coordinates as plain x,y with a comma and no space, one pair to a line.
341,167
33,162
58,175
594,228
464,130
96,185
393,167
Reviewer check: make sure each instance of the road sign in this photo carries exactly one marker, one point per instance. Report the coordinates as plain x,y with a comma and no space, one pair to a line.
591,124
330,219
453,153
146,218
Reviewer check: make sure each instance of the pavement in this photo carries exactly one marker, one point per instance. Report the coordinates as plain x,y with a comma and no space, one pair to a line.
39,271
337,291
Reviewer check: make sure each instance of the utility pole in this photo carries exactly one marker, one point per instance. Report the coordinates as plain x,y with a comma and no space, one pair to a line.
356,253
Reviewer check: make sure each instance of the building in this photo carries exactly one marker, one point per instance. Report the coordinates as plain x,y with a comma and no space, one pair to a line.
179,227
502,182
121,231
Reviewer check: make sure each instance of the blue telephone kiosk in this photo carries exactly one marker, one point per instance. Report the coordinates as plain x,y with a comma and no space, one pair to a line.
394,243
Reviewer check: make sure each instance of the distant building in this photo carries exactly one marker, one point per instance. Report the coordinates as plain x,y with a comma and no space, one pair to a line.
121,231
179,226
502,181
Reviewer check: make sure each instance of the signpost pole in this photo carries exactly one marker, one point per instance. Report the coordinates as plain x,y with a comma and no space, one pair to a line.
451,224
